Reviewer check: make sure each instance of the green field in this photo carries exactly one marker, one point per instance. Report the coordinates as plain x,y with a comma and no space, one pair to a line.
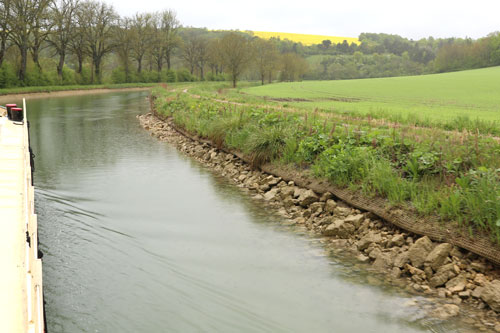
438,98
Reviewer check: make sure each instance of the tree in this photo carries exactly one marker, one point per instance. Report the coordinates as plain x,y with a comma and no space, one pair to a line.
141,33
23,18
266,58
170,39
99,20
4,28
214,56
123,42
293,67
190,51
63,30
236,52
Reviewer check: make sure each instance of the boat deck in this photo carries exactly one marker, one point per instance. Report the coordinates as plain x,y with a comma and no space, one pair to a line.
21,297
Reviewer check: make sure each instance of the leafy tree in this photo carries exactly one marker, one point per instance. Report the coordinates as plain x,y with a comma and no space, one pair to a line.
266,58
236,52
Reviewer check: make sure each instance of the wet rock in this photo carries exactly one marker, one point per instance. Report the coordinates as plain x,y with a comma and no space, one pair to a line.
456,284
396,240
442,275
383,262
355,220
361,257
401,259
419,251
491,294
272,194
371,237
395,272
436,257
339,228
307,197
447,311
330,206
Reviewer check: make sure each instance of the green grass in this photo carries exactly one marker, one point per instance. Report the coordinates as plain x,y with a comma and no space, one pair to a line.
455,176
25,90
467,99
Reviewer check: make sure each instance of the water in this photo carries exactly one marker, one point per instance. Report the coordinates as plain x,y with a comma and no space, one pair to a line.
138,238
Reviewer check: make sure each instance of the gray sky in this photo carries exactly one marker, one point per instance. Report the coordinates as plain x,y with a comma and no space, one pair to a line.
412,19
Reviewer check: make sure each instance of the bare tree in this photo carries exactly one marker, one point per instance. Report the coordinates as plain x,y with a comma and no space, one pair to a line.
190,51
97,25
170,40
41,28
63,30
4,28
236,52
123,38
141,33
24,18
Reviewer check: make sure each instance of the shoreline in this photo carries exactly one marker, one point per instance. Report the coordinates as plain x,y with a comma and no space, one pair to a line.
63,93
459,280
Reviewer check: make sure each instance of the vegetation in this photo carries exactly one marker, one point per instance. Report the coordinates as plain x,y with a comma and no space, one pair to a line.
466,100
454,175
70,42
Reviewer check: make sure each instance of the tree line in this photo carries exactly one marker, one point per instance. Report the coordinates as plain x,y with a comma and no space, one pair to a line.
86,41
53,42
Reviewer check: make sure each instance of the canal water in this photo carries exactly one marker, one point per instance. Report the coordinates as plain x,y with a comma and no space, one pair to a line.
139,238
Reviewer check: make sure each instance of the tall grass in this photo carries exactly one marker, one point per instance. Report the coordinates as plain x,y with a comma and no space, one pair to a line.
427,170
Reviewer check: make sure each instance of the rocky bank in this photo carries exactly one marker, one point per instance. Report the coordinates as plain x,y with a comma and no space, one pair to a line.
458,280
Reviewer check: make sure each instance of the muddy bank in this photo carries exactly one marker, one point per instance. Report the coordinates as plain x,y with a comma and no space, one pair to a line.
10,97
458,280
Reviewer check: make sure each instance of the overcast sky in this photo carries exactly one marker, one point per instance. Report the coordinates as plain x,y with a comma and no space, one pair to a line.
412,19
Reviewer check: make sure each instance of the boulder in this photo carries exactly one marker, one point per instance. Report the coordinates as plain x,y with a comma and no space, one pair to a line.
401,259
297,192
307,197
355,220
443,274
270,195
287,192
397,240
437,256
326,196
383,262
456,284
342,211
361,257
330,206
339,228
371,237
491,294
419,251
316,207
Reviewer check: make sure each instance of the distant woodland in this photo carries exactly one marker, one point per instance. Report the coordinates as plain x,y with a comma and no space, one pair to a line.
67,42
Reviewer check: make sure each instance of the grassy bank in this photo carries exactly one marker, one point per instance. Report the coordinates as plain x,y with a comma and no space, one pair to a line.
433,172
29,90
454,101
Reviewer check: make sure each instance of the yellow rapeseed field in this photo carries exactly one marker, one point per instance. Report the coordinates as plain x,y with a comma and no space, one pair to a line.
305,39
